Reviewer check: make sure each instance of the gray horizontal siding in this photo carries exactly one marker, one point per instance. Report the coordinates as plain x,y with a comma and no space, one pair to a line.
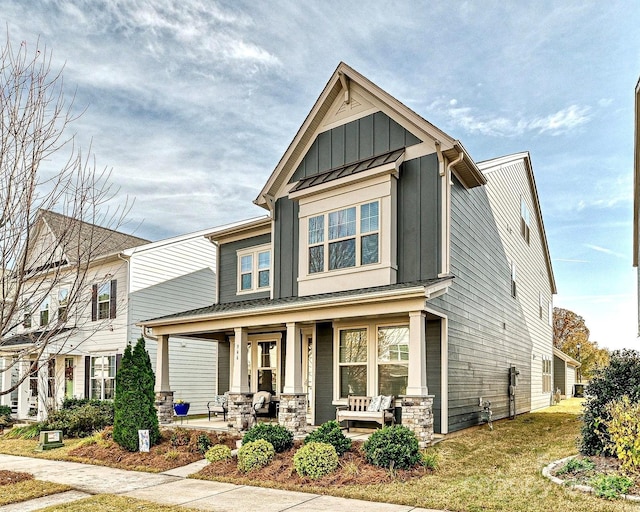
229,269
369,136
487,330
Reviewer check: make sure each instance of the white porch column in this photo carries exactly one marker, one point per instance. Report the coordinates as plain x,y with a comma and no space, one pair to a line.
239,378
6,381
417,381
162,364
293,361
43,389
24,393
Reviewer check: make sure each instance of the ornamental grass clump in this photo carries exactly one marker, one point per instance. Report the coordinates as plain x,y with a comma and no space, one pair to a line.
280,438
330,433
218,452
315,460
394,447
254,455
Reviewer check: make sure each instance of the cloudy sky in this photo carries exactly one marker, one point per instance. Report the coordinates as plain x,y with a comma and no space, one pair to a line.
193,102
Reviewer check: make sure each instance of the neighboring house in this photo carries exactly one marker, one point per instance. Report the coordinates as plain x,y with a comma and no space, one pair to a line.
127,279
390,263
636,197
565,370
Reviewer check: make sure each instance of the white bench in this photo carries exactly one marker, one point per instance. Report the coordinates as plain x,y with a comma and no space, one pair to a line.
359,408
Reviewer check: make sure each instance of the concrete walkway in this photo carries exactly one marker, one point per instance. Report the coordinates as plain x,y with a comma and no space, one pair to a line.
172,488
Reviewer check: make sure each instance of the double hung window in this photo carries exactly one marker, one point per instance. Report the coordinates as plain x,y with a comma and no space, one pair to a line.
546,374
104,300
344,238
254,270
525,220
393,360
44,312
353,362
63,303
103,375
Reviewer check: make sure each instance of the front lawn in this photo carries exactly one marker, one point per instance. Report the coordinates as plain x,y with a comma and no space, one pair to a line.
16,487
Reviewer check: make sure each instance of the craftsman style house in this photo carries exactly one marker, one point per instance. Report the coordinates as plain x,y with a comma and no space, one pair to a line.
126,279
389,263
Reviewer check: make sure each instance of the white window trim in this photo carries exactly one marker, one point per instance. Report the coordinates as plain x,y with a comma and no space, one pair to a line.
66,306
372,352
46,301
108,301
253,251
102,379
525,220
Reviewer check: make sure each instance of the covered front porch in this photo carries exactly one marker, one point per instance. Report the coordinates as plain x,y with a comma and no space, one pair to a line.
311,353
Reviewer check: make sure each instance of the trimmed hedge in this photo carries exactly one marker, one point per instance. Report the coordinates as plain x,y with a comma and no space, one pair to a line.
280,438
315,460
394,447
330,433
254,455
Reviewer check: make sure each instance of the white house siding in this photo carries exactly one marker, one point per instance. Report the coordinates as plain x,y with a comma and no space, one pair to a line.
571,380
169,278
506,185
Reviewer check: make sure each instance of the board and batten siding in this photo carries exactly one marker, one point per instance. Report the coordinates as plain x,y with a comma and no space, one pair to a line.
168,279
228,269
285,248
486,325
506,186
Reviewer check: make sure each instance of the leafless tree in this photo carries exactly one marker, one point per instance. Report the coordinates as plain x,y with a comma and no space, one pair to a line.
43,170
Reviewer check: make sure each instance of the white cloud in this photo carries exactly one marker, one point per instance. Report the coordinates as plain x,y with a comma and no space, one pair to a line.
562,121
604,250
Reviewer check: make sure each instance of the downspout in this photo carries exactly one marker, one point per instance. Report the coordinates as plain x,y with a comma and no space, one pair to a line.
445,174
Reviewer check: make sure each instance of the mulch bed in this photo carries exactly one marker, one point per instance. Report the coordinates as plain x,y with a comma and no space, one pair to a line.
13,477
178,447
353,470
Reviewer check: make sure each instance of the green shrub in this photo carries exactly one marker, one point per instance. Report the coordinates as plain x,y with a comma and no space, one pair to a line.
610,486
330,433
218,452
279,437
315,460
203,443
254,455
575,466
81,420
5,410
135,398
394,447
621,377
624,432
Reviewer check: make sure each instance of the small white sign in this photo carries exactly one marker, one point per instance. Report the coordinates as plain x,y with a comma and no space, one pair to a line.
53,437
143,440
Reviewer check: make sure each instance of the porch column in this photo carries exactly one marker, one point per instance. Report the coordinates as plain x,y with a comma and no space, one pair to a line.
6,381
164,395
43,389
24,391
293,362
239,379
417,380
293,399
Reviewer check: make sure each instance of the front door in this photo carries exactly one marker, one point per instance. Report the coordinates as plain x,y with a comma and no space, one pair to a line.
68,377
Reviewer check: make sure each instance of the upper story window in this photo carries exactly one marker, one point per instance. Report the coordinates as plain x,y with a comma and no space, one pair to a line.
344,238
525,220
513,279
254,269
103,300
44,312
63,303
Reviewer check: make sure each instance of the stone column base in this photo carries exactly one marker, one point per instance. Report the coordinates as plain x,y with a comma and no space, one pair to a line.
164,406
417,415
239,414
293,412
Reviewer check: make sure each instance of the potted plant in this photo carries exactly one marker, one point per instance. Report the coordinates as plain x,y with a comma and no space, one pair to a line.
180,407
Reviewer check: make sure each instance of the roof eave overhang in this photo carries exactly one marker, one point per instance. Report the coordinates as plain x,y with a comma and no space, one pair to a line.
420,292
466,169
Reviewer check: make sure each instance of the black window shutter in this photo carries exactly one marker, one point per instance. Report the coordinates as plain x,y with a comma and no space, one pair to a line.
112,299
94,302
87,374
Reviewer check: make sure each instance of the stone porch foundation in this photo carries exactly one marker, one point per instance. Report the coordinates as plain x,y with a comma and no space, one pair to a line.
239,412
164,406
417,415
293,412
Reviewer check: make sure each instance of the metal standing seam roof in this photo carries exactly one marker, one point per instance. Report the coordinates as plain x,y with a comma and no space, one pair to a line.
348,170
247,305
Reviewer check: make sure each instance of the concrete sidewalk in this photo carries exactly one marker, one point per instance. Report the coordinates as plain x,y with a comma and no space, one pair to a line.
172,488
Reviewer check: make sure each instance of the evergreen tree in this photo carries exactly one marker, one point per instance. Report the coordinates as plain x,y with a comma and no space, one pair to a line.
134,399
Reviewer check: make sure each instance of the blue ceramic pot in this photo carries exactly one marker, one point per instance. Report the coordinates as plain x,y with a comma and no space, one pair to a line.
181,409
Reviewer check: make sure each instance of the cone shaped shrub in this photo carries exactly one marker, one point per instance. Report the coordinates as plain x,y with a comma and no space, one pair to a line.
134,399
